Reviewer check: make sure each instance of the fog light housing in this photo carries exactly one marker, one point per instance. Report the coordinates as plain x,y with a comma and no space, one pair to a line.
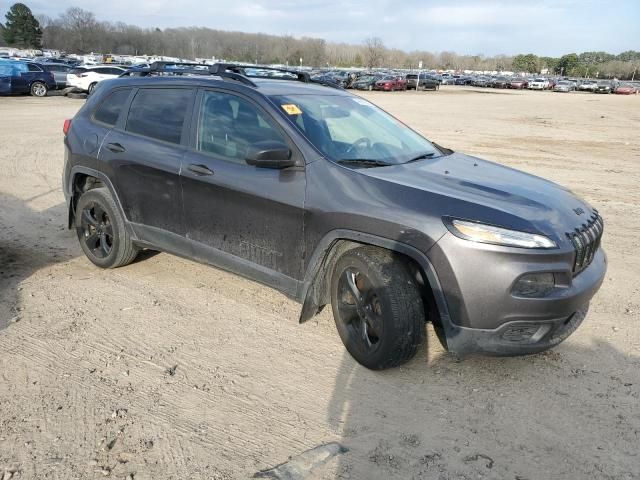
534,285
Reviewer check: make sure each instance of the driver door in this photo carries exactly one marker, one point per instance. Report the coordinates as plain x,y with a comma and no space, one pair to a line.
243,218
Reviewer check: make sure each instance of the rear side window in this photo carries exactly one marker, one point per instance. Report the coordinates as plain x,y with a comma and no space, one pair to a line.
159,113
34,68
110,108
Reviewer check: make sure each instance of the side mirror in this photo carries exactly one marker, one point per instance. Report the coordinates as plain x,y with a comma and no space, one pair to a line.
269,154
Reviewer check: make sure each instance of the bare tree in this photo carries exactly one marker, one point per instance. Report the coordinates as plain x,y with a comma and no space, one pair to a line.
374,52
81,25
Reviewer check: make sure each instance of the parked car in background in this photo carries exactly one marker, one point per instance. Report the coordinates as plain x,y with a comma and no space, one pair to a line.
25,77
463,80
518,83
86,78
501,82
539,84
605,86
424,82
59,71
365,82
564,86
328,79
481,82
390,83
587,85
626,89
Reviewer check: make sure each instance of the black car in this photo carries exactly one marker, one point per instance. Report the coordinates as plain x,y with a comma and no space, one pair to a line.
324,196
365,82
605,86
426,82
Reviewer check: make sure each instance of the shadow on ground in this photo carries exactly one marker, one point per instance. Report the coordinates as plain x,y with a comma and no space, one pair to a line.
567,413
29,240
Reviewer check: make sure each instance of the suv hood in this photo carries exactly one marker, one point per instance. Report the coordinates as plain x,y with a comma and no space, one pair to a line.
511,198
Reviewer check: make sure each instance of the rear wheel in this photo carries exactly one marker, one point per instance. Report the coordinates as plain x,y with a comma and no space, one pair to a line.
39,89
101,230
91,87
377,307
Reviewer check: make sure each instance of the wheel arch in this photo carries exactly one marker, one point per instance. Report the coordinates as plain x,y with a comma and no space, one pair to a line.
82,179
315,291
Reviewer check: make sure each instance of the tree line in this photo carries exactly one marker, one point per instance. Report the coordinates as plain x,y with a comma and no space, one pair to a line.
79,31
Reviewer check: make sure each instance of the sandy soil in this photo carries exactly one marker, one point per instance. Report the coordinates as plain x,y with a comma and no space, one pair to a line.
167,369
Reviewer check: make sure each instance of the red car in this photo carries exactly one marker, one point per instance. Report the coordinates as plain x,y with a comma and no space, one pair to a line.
626,89
519,83
390,84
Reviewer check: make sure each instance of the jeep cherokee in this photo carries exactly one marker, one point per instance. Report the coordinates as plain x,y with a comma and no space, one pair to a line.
327,198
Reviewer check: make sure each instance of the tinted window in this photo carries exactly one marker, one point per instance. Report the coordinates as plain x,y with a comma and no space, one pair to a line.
34,68
57,68
159,113
229,125
110,108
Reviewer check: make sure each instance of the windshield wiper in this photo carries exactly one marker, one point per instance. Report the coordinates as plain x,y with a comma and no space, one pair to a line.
364,162
421,157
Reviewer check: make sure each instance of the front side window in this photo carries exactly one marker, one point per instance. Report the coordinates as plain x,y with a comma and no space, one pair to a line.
229,125
350,128
34,68
110,108
159,113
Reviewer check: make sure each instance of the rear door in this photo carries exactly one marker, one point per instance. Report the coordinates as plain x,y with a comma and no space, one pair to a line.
144,152
247,216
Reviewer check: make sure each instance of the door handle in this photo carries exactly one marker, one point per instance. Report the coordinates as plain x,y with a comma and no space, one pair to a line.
200,170
115,147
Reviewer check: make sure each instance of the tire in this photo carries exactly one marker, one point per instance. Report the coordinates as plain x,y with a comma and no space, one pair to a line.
383,325
39,89
101,230
91,87
77,96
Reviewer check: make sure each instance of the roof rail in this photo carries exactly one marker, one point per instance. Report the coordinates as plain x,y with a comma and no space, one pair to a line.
229,71
240,69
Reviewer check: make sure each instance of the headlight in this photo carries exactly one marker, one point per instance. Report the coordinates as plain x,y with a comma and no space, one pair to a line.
479,232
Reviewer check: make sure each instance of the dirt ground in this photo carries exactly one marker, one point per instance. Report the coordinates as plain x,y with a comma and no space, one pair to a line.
167,369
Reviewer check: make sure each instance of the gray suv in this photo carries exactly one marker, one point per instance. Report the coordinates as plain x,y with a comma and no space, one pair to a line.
327,198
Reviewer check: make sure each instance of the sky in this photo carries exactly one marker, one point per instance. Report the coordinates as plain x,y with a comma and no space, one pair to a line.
543,27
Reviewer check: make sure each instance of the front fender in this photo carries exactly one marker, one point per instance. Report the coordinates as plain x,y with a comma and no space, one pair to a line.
314,291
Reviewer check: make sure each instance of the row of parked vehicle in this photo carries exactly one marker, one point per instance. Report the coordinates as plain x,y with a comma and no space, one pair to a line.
38,77
388,81
545,83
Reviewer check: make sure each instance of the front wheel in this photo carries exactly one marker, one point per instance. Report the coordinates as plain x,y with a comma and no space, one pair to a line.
377,307
91,88
39,89
101,230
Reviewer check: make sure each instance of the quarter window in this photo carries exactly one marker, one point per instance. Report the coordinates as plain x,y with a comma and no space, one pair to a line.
229,125
159,113
109,110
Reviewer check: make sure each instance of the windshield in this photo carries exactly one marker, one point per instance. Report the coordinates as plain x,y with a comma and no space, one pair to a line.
351,128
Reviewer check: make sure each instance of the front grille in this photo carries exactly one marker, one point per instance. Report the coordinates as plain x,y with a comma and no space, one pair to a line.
586,241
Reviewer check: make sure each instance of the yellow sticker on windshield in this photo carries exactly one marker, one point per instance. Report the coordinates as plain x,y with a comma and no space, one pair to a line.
291,109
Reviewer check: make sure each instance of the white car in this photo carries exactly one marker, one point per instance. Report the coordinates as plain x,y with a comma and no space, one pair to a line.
539,84
86,78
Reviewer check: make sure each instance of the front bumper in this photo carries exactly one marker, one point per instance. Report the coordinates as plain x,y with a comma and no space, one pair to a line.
483,313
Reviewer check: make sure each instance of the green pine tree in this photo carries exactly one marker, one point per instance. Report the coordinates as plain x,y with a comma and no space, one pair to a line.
21,29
